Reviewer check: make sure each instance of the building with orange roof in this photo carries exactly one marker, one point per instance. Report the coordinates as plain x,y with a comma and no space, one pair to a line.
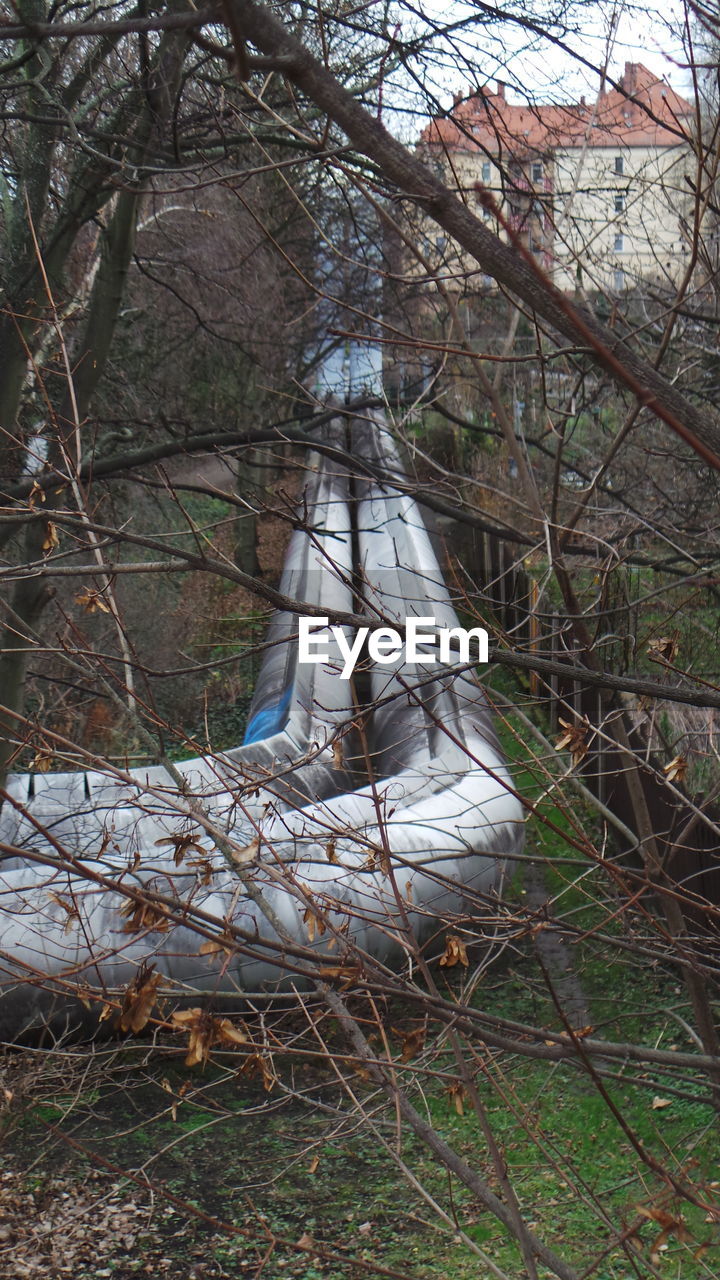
599,191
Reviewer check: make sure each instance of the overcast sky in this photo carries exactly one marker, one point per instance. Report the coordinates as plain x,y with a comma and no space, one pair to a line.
639,34
650,36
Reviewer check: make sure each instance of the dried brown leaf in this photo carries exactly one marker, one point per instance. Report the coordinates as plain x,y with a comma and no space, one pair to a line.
677,768
203,868
51,539
213,945
256,1064
92,602
229,1033
664,649
248,853
166,1085
314,922
68,906
348,972
574,738
457,1094
139,1000
182,845
145,915
36,494
413,1042
455,952
655,1213
41,761
199,1028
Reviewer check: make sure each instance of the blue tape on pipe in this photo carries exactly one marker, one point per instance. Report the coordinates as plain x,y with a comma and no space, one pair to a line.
268,721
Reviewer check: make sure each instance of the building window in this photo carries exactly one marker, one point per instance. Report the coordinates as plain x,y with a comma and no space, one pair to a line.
537,171
619,242
619,203
619,281
619,164
486,171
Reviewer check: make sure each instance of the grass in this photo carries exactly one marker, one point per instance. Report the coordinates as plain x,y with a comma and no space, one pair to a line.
287,1169
285,1173
588,1158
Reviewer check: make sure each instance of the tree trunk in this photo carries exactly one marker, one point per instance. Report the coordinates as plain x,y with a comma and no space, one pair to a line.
31,594
17,642
250,484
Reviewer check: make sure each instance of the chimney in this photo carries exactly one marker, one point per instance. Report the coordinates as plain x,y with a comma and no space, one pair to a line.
629,80
501,89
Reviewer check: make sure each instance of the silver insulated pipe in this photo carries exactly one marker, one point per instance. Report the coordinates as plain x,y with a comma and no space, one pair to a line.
359,818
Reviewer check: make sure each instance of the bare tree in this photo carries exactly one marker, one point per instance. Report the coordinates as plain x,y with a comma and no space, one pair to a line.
208,221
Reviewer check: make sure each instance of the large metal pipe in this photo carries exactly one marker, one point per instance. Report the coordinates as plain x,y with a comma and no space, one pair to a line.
416,845
287,756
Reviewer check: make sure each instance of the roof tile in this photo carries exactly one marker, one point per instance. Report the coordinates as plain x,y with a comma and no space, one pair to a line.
643,112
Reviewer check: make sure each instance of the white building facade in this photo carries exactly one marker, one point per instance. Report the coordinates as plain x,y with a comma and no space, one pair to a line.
600,193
